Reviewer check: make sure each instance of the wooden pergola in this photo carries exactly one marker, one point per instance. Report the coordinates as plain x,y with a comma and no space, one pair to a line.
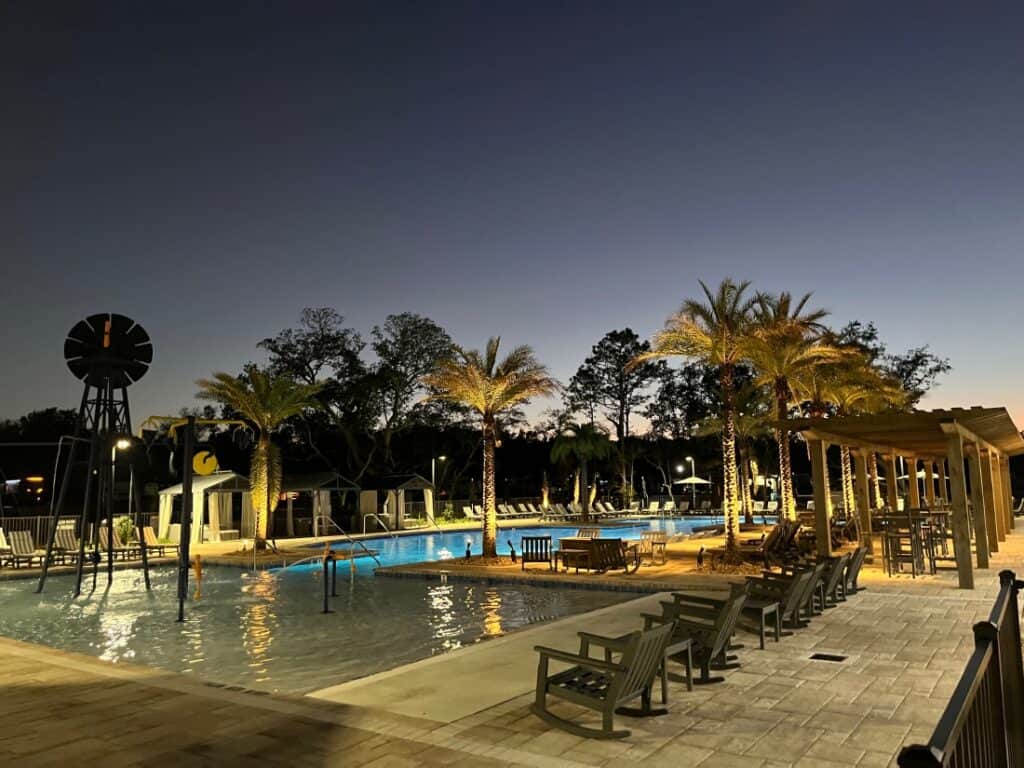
944,441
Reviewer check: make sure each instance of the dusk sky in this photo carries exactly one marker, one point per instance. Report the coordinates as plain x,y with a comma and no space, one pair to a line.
544,171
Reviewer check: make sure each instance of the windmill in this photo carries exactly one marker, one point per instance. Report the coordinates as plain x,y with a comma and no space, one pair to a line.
108,353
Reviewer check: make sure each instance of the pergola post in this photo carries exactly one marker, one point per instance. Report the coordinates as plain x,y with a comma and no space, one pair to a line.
981,517
862,482
961,528
992,512
929,482
912,485
892,494
1004,465
819,479
943,492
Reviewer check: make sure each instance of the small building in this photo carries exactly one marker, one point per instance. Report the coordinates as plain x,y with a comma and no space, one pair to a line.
320,494
390,500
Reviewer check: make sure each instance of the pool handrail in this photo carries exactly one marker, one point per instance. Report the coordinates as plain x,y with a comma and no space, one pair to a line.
349,539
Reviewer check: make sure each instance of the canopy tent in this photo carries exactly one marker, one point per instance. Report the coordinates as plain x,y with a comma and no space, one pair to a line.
320,486
394,489
953,445
212,503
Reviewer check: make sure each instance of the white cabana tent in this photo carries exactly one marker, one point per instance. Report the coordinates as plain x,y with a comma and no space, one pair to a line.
211,508
321,486
394,488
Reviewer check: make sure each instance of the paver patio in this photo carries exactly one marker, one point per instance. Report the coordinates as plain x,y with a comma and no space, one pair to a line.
906,641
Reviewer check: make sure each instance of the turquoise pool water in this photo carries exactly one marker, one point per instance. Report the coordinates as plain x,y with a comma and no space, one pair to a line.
414,548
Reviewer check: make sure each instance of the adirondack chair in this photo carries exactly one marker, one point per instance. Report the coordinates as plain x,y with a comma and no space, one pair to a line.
652,546
788,593
604,686
613,554
537,549
709,627
853,570
811,589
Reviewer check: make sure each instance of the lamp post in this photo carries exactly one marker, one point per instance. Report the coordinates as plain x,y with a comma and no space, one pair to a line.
433,468
693,486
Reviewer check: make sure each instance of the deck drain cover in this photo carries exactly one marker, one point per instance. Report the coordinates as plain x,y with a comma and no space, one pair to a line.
827,657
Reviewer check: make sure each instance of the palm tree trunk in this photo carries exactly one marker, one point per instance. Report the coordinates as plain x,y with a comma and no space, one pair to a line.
787,501
490,522
876,485
729,484
748,505
849,501
584,491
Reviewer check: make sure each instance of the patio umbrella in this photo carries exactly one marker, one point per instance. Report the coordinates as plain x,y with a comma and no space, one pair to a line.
692,481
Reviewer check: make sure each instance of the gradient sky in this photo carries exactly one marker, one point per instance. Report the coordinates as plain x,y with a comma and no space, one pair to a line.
545,171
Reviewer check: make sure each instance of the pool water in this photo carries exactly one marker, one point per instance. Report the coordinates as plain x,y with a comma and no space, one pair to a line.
266,631
415,548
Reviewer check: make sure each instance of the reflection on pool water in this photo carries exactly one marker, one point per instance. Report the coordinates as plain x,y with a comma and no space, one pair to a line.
266,631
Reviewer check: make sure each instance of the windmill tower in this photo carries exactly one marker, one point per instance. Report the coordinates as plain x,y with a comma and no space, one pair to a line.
108,353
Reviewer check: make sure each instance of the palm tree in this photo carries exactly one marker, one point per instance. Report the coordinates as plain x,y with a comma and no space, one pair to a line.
785,345
583,443
478,381
266,401
713,333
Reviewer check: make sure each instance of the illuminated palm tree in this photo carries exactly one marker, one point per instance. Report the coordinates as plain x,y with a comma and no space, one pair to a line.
583,443
478,381
712,332
785,345
266,402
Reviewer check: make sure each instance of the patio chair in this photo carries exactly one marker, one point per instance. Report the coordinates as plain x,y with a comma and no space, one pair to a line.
806,598
66,543
789,594
771,507
705,506
684,507
1019,509
537,549
710,628
5,547
853,570
613,555
758,610
469,514
668,508
23,550
634,507
604,686
153,544
758,507
652,546
653,507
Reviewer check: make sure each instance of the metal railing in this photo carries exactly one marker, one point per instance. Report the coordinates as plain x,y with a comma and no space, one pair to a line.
352,542
981,727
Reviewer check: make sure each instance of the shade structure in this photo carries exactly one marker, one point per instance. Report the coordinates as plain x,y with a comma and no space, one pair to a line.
211,504
692,481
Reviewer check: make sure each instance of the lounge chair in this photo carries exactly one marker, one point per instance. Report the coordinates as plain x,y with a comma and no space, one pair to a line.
705,507
758,507
23,550
653,507
537,549
684,507
5,547
668,508
634,508
772,507
710,628
66,543
1019,510
601,685
119,549
154,545
468,512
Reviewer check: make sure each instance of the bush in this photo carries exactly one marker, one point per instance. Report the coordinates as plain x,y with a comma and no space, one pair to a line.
125,529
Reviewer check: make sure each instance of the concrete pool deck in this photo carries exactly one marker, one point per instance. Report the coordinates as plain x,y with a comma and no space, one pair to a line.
906,642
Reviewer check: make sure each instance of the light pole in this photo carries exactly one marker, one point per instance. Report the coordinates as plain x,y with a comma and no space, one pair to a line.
693,486
433,469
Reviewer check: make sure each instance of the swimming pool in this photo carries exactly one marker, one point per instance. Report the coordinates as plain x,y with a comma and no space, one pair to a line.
265,631
437,545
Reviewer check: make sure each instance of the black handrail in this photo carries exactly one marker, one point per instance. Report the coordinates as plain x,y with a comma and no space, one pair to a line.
981,723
